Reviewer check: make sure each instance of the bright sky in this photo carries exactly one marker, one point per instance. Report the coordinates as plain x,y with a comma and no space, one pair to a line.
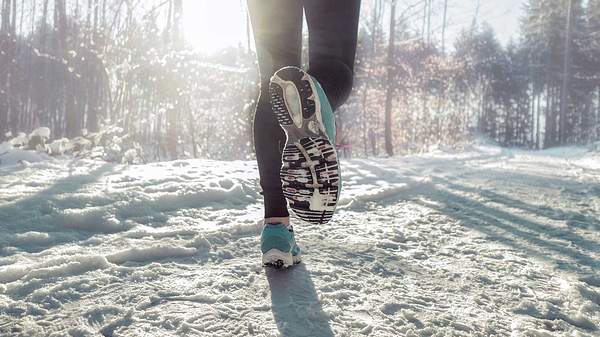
502,15
211,25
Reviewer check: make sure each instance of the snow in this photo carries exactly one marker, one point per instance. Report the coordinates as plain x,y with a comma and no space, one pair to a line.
481,242
150,254
43,132
59,146
10,156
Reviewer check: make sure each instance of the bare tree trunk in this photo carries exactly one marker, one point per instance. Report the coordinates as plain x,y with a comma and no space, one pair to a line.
429,4
476,16
13,115
248,30
444,25
551,117
423,29
173,113
71,120
94,68
192,129
566,80
389,141
14,19
598,113
372,53
4,64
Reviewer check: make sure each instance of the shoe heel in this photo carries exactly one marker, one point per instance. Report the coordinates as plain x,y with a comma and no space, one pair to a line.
277,259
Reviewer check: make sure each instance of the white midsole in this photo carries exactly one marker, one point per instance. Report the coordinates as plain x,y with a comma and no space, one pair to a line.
293,102
291,98
274,255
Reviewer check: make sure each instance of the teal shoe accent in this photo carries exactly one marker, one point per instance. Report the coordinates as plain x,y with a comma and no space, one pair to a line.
278,245
326,113
328,119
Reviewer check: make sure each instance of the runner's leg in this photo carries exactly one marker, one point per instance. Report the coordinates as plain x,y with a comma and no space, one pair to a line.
277,27
333,31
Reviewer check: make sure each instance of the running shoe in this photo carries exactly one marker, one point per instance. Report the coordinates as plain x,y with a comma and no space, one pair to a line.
279,247
310,173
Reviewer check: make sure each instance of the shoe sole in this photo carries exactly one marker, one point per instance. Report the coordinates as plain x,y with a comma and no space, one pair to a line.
310,173
280,260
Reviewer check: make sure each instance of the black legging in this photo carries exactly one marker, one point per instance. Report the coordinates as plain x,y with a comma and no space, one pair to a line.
277,26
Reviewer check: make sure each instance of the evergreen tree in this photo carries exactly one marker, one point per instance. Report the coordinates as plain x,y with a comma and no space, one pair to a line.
484,76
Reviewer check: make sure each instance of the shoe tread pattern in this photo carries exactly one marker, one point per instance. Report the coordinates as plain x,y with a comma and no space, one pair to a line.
306,154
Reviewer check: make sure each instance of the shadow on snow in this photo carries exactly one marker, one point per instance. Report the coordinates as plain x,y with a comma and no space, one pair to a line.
295,304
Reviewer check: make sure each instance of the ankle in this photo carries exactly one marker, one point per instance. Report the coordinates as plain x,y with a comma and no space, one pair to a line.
278,220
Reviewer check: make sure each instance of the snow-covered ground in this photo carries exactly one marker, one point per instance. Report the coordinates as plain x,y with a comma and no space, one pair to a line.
487,242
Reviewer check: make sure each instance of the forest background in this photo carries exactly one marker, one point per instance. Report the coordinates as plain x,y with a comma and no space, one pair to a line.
81,67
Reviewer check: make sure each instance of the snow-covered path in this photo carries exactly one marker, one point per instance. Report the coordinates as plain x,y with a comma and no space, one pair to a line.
488,242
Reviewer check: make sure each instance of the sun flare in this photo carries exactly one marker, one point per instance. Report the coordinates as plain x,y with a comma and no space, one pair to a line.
212,25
